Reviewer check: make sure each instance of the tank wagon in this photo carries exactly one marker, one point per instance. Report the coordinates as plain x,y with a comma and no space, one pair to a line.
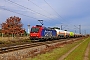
64,34
39,32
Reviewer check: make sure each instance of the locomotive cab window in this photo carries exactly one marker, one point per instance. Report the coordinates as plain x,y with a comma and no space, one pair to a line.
34,29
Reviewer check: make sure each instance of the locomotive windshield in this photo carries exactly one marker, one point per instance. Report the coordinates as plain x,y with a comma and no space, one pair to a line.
34,29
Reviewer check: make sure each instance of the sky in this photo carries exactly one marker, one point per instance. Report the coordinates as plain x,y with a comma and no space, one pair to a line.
54,13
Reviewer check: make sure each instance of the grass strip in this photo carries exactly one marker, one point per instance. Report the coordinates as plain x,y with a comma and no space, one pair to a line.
78,53
56,53
89,53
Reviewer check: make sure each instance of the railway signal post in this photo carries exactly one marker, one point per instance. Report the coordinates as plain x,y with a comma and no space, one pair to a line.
28,29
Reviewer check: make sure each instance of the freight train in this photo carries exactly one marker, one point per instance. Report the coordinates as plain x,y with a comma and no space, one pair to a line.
39,32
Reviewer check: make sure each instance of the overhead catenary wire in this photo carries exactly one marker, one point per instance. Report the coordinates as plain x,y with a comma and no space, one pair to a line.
29,9
39,7
43,9
53,9
17,12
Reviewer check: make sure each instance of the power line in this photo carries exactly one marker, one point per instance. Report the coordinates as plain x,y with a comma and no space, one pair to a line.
78,28
39,7
28,9
16,12
53,8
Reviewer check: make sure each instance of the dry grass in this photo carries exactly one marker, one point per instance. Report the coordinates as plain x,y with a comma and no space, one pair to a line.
12,38
6,41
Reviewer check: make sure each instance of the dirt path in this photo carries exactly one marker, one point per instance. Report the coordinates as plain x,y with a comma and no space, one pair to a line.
65,55
87,52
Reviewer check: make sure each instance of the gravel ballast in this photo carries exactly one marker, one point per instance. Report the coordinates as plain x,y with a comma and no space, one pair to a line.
29,52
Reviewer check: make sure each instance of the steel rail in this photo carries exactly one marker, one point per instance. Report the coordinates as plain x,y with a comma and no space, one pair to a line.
30,45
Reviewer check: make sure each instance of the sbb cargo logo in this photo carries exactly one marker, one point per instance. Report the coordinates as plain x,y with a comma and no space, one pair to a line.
48,33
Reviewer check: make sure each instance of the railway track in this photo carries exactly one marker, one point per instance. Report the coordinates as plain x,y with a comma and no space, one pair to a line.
29,45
